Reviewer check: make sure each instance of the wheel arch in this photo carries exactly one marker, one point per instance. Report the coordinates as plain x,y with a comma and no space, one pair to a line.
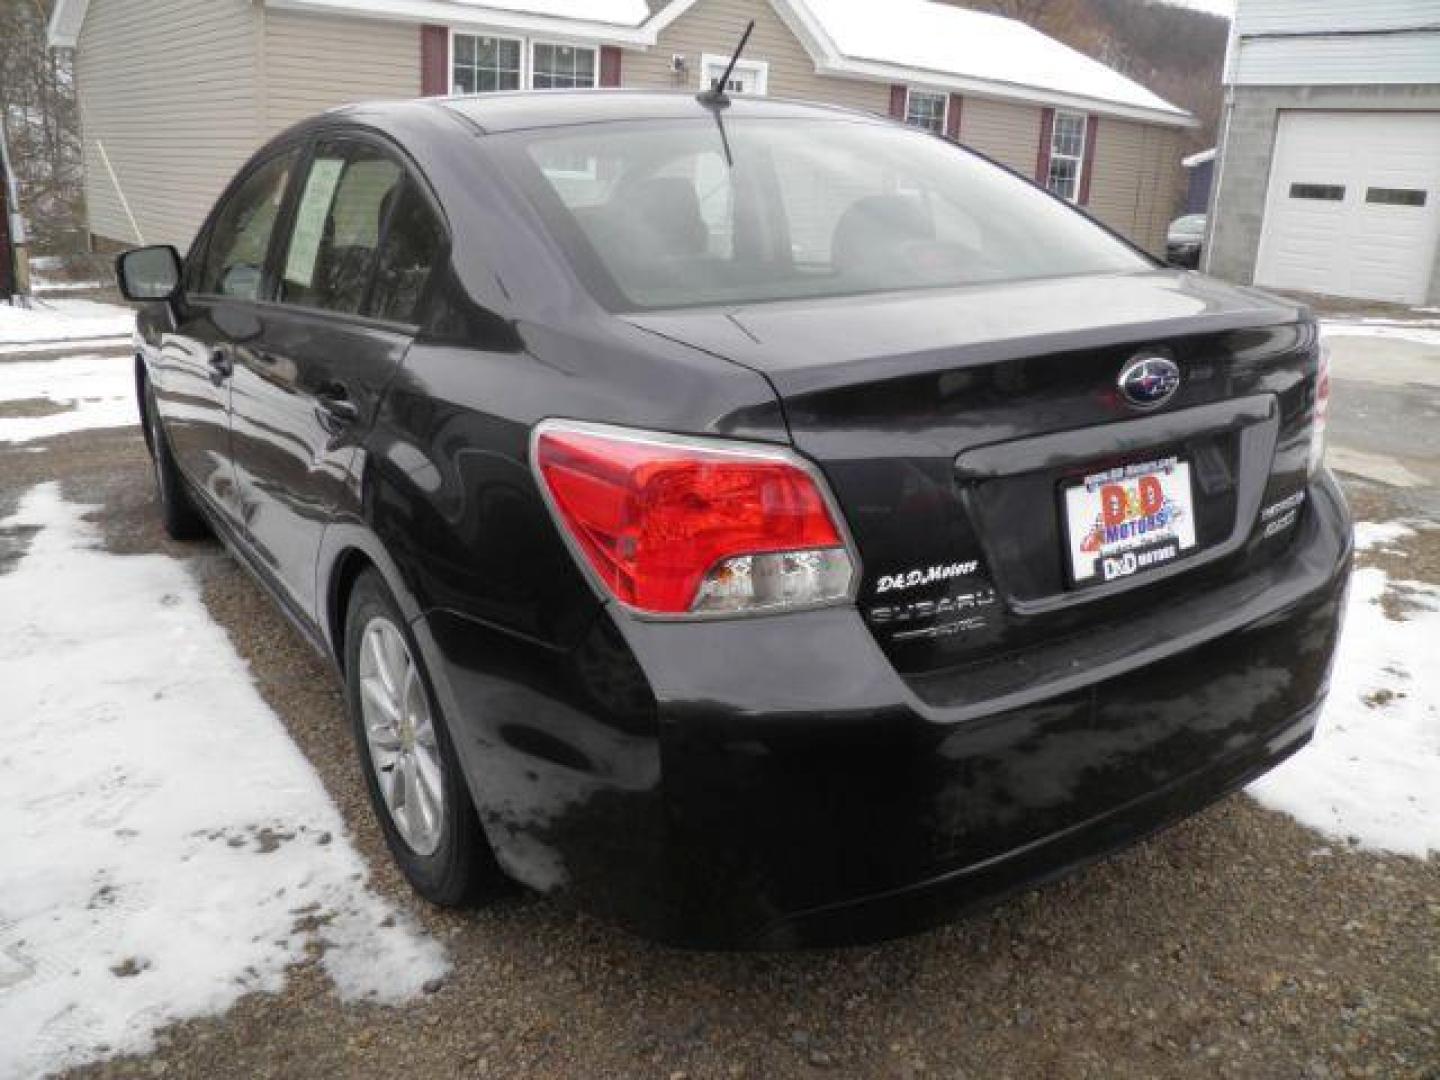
142,377
350,564
346,552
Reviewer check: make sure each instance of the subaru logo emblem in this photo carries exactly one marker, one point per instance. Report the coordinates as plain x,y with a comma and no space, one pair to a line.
1148,381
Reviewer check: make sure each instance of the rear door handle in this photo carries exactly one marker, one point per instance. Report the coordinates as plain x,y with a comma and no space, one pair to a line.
220,362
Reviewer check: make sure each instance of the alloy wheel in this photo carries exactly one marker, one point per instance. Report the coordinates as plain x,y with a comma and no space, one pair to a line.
400,736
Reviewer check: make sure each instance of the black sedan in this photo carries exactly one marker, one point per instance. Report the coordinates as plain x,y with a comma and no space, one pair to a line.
759,523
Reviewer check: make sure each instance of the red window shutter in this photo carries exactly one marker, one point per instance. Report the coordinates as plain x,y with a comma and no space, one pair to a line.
1042,157
897,102
434,60
1092,132
609,65
952,116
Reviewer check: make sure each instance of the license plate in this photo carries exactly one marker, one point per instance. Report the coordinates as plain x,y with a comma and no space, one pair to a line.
1128,520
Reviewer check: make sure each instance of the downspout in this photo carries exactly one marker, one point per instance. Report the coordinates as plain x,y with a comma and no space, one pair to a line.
1217,182
19,248
119,191
1222,149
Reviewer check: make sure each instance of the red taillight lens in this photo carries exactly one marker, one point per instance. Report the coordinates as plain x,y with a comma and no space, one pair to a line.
663,521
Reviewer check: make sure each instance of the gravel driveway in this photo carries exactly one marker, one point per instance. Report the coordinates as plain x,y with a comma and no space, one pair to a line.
1237,944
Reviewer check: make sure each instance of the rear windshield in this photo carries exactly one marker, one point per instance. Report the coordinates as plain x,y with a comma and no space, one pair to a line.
678,214
1189,225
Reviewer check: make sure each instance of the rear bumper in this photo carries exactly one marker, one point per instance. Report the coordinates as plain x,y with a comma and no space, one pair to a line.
982,884
773,782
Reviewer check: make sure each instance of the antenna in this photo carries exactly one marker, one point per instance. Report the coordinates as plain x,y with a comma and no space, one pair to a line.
715,97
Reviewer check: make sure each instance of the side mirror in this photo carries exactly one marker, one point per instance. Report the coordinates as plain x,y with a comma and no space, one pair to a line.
150,273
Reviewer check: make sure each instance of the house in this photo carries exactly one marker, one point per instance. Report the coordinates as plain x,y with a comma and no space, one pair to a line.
1200,174
176,94
1328,178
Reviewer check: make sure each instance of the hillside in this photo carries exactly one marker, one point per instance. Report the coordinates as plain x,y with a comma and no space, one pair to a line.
1175,51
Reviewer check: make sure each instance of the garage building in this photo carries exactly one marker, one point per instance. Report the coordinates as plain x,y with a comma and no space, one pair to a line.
1329,171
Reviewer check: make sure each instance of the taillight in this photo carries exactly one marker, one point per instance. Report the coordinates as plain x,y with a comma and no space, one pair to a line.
677,526
1321,414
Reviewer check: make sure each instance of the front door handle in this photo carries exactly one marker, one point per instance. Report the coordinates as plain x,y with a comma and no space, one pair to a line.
335,401
220,363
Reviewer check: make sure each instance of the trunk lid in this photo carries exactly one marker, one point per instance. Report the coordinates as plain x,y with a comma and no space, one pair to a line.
951,424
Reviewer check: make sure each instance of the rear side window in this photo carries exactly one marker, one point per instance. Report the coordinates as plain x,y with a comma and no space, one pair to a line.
412,244
346,197
235,259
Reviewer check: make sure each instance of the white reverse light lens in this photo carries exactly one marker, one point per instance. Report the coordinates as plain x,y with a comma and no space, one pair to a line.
746,583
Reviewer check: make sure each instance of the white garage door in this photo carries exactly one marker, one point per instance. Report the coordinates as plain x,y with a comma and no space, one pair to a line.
1354,205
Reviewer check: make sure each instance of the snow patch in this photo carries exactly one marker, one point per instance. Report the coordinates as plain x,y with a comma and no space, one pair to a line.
1423,334
1372,774
32,347
1382,534
49,285
970,44
64,320
93,392
166,847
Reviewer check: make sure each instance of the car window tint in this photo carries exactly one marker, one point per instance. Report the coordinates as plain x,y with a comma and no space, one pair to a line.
680,213
412,242
338,217
235,260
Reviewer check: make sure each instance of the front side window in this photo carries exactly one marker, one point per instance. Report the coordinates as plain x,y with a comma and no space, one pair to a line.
677,216
925,110
481,65
1067,155
235,259
561,67
338,221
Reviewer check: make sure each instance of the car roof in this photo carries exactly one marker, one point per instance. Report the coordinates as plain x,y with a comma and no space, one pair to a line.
522,109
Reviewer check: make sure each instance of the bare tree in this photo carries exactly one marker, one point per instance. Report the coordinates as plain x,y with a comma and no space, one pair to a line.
39,120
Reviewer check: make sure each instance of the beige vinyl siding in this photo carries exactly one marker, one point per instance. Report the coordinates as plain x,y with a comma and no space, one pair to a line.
715,26
315,62
1136,180
169,88
1008,133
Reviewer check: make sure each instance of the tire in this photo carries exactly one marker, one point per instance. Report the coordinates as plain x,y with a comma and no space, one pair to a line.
178,514
408,758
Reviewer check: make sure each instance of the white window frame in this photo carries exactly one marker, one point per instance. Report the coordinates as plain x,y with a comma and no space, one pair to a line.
944,97
529,63
759,69
1079,158
524,56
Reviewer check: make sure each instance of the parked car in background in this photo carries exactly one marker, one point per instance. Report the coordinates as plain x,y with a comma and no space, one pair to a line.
764,525
1184,240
